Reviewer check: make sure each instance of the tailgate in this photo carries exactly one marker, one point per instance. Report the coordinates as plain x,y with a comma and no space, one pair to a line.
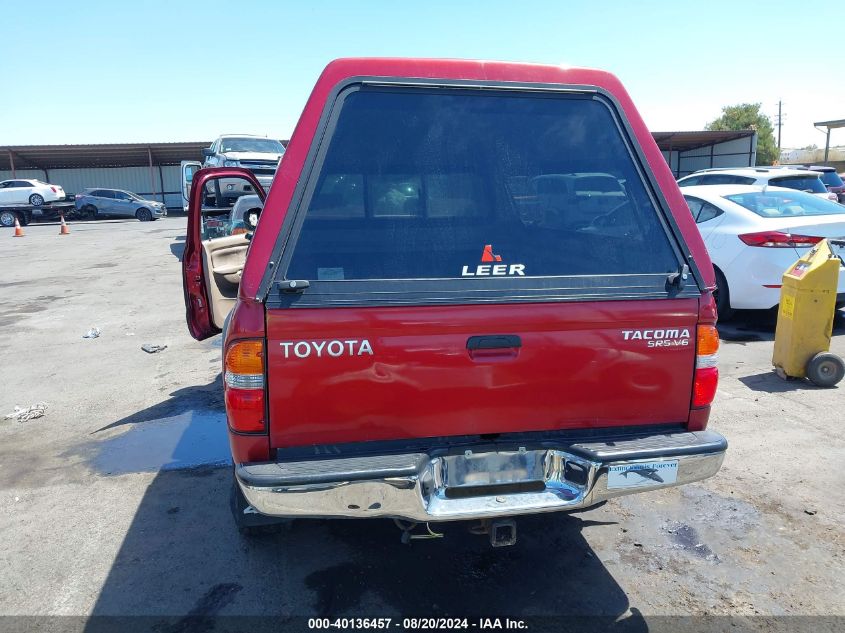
358,374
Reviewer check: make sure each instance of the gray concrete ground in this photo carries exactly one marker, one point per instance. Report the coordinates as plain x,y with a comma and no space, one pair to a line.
104,510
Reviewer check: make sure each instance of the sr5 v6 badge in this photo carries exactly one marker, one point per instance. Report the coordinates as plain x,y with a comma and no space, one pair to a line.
667,337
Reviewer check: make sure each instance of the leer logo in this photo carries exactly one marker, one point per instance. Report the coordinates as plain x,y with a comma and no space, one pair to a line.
495,270
488,256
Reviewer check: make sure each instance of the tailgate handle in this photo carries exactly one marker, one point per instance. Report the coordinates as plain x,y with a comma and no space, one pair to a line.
494,341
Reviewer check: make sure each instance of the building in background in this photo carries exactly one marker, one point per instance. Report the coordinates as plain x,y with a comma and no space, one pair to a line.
815,156
152,170
687,152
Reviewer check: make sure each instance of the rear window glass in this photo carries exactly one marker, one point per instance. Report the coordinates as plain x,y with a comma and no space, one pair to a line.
779,204
801,183
420,183
831,179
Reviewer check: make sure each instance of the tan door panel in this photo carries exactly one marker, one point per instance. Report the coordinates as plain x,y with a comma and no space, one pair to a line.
223,259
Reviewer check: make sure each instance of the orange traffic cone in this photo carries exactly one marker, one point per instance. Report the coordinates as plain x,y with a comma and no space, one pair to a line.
64,230
18,230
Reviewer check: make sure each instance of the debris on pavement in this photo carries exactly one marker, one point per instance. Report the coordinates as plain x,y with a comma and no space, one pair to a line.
94,332
22,414
810,512
149,348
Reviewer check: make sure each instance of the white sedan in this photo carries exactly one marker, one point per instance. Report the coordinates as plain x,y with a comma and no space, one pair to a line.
754,233
29,191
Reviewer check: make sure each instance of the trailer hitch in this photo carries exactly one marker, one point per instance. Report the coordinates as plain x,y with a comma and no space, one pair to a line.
502,532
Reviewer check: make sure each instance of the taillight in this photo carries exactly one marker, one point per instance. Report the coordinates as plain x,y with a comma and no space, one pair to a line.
54,189
778,239
706,370
243,378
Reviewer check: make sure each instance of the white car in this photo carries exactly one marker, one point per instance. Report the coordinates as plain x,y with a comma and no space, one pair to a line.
799,179
29,191
753,234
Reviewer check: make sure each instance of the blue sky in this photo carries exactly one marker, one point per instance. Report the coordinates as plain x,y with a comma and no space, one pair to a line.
150,70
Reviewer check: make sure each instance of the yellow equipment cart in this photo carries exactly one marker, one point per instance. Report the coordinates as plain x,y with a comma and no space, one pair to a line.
805,319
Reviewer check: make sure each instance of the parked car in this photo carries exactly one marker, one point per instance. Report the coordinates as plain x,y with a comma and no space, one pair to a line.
404,343
258,154
29,191
830,178
799,179
754,233
95,203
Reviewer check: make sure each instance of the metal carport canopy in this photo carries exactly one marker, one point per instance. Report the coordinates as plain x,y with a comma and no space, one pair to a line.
830,125
100,155
694,139
143,154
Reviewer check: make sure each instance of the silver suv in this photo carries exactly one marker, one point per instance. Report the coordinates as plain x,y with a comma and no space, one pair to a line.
258,154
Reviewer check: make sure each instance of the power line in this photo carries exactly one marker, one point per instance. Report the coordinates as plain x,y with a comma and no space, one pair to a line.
779,121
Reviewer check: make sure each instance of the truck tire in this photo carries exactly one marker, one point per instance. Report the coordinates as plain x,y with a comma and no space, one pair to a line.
25,218
825,369
251,523
36,200
144,215
7,218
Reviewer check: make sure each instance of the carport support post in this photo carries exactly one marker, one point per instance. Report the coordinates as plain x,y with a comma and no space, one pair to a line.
161,184
827,146
152,178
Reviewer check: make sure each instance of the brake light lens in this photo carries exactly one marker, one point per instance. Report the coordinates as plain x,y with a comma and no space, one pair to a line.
54,189
706,369
704,390
778,239
244,386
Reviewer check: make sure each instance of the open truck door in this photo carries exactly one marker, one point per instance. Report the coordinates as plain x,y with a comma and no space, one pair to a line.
189,168
215,248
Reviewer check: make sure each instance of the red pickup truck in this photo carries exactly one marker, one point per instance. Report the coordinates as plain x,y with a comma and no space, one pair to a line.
475,291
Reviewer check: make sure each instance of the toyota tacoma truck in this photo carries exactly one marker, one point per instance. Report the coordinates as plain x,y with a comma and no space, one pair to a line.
474,292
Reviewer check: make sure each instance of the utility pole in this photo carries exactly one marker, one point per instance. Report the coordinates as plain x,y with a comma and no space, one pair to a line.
780,124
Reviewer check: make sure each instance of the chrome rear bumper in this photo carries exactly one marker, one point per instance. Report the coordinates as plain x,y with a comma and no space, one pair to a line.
470,484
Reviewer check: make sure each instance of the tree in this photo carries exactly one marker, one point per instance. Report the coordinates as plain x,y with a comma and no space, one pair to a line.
747,116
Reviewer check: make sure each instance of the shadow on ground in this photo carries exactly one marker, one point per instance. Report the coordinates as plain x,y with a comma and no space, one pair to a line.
748,325
186,431
770,382
177,247
183,562
759,325
196,397
183,557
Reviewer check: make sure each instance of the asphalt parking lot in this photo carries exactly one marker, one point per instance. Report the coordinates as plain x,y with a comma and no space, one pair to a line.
115,502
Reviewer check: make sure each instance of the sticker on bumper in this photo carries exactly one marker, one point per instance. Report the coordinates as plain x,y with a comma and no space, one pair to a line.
642,475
